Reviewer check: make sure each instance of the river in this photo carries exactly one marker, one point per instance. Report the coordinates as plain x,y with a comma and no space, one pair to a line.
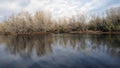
60,51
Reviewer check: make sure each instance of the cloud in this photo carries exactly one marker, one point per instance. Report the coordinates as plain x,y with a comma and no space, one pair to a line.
61,8
1,17
58,8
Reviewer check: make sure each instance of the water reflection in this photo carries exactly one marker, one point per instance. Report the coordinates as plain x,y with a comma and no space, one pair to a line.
90,43
53,51
25,45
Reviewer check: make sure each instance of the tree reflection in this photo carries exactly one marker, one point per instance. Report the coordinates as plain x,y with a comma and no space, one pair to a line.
90,44
44,44
26,45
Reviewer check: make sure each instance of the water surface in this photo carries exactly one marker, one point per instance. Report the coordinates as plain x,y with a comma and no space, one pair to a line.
60,51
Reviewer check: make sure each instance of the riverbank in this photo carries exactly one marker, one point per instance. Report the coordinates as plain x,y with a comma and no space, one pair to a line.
93,32
72,32
29,33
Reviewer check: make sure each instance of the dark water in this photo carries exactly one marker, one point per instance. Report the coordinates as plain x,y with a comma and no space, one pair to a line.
60,51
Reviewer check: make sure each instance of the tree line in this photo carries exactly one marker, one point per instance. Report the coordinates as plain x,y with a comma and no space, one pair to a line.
24,22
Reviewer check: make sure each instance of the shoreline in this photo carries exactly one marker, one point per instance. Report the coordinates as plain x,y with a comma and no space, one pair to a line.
73,32
31,33
93,32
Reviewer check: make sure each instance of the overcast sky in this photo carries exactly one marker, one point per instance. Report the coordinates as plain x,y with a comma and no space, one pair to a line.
59,8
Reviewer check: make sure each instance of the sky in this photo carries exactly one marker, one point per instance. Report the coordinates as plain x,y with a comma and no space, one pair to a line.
58,8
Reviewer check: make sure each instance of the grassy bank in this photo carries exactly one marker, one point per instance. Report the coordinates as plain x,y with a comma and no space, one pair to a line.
32,33
42,23
48,33
93,32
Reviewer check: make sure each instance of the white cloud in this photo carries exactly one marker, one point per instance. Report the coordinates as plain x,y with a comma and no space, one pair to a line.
1,17
63,7
59,8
